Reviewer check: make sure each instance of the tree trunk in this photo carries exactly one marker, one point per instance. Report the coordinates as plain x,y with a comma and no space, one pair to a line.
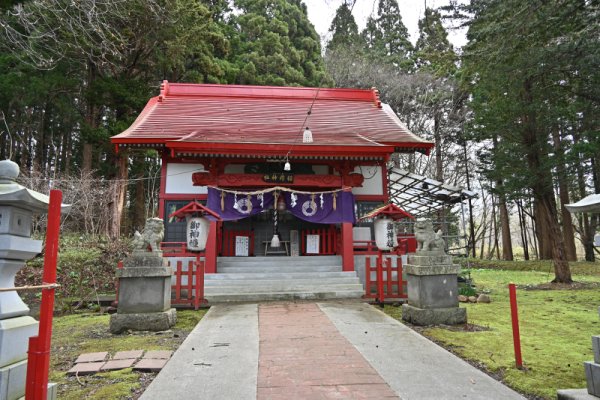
118,190
563,190
91,120
543,193
523,226
586,231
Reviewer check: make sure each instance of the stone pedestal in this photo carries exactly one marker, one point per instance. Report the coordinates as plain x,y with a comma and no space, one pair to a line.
144,302
432,290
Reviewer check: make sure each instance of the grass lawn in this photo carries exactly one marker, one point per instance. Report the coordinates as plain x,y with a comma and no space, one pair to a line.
556,327
88,332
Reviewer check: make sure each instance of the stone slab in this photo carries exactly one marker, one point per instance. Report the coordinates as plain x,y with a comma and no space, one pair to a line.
19,248
144,259
574,394
141,272
12,380
126,355
114,365
592,375
15,221
11,304
422,270
596,348
426,258
432,291
88,368
92,357
150,364
144,295
14,338
158,321
413,366
209,371
158,354
434,316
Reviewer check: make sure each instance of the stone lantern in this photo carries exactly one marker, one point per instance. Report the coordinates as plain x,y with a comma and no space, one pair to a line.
17,206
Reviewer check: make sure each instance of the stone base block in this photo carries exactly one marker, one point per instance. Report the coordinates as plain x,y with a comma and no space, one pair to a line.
157,321
432,291
592,375
434,316
144,294
12,380
426,258
596,348
14,339
574,394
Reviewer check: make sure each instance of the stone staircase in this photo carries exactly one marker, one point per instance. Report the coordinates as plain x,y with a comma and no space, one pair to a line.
280,278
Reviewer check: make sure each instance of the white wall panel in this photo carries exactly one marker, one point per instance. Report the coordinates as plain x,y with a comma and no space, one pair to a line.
179,179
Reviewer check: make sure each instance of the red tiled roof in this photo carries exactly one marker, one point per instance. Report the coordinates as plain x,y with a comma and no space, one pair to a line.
197,115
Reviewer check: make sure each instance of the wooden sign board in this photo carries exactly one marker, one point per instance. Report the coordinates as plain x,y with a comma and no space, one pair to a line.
279,177
312,244
294,244
242,246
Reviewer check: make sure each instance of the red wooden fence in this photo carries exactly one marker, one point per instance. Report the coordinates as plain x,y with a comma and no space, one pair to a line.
192,290
228,247
328,241
388,282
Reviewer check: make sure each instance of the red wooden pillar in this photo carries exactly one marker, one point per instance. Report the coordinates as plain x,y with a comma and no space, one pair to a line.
347,247
211,249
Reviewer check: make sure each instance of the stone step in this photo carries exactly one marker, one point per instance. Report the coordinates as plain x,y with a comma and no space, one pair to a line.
278,287
277,275
287,295
250,282
278,268
286,259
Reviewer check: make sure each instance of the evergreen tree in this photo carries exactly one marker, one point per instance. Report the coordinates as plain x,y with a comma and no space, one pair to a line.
530,64
433,51
344,31
386,38
274,43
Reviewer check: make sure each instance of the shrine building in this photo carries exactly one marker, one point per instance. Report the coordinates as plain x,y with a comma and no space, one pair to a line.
303,164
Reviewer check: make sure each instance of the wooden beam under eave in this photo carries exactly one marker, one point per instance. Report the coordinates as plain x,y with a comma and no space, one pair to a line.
257,180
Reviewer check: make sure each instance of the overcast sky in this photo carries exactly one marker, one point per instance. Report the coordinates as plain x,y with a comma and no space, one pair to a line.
321,13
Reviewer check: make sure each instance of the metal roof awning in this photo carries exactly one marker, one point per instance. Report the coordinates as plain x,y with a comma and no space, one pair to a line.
590,204
420,195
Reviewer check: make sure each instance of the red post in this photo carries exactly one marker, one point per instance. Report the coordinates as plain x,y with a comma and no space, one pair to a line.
210,257
199,298
380,295
39,346
515,324
347,247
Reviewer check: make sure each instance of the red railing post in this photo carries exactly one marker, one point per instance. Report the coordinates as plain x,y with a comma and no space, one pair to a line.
380,295
514,312
199,298
39,346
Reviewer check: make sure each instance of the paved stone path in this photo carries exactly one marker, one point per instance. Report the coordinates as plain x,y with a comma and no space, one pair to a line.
328,350
303,356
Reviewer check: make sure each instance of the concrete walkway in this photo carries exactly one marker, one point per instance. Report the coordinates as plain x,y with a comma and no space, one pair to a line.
329,350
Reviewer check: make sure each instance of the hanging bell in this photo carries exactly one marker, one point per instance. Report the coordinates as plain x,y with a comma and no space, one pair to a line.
287,166
307,136
275,241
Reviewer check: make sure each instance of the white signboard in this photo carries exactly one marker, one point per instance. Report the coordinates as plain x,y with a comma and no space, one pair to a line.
312,244
241,246
597,240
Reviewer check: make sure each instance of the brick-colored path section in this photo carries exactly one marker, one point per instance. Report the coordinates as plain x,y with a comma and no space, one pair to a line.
303,356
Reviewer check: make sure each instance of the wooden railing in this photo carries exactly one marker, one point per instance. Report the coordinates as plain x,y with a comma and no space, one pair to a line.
189,283
383,279
328,241
228,242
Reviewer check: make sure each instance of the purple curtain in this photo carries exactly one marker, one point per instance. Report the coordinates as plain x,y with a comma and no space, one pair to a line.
317,208
238,206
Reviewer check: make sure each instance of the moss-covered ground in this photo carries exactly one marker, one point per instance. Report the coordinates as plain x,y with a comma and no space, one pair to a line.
556,326
88,332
